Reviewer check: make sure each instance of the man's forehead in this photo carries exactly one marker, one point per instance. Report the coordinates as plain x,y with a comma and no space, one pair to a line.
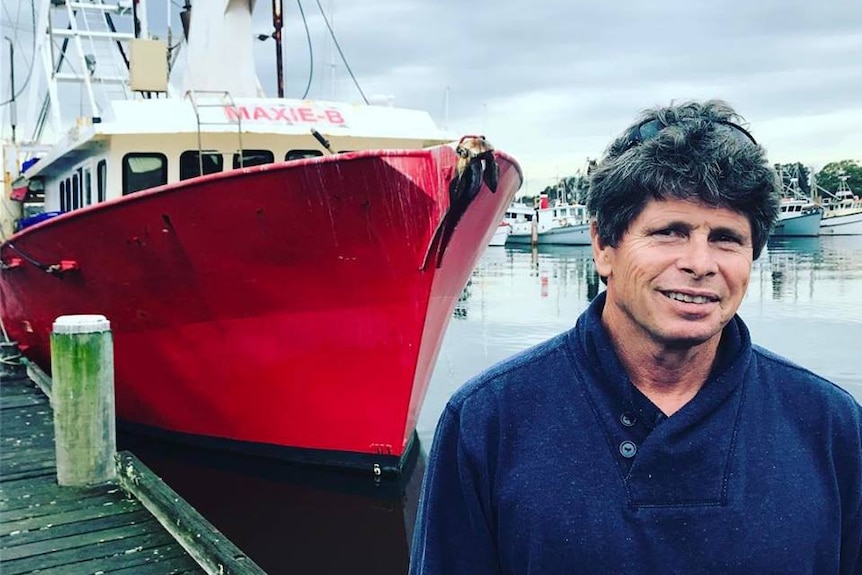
692,214
690,210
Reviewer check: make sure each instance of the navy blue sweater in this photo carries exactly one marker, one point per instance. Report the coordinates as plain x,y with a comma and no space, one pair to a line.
553,462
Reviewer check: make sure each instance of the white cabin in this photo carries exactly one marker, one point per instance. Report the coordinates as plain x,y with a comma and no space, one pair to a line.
149,143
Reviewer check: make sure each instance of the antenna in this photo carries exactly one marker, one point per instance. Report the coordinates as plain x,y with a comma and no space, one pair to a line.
277,8
13,114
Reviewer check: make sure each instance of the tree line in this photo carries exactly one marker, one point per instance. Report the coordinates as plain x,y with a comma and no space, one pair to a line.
795,178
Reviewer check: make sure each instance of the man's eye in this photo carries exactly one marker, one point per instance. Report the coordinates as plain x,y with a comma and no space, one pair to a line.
727,238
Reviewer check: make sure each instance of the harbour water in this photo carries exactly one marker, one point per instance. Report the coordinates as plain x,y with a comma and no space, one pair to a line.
804,302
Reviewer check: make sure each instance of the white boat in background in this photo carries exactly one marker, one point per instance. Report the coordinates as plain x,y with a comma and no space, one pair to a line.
518,213
501,234
842,212
798,217
561,224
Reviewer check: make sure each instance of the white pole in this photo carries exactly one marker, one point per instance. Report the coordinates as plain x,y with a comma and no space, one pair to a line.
82,364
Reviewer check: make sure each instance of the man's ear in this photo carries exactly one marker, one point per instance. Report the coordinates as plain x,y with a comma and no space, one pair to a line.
601,252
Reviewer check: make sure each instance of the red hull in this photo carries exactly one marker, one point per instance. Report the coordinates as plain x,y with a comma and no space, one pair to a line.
290,305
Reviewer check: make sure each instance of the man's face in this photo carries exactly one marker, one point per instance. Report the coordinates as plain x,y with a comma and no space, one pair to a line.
678,274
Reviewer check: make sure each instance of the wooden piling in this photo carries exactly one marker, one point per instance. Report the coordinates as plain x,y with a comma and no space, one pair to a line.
82,360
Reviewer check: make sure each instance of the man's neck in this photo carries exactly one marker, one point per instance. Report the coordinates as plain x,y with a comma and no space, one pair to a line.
669,377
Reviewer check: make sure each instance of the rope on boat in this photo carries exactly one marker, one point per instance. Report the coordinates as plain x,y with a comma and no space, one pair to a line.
40,265
53,269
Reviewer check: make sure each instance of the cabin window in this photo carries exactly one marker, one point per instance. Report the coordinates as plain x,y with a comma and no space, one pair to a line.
191,162
76,192
88,187
144,170
63,196
253,158
101,180
300,154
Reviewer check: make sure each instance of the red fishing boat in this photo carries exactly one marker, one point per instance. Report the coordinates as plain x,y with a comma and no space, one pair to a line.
278,273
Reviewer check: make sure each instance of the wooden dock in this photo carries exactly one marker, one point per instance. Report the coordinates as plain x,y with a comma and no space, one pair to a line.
134,526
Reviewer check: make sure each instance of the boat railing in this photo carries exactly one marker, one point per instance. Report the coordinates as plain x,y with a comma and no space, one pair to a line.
225,98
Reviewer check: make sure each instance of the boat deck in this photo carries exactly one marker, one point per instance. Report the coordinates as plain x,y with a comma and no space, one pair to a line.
70,530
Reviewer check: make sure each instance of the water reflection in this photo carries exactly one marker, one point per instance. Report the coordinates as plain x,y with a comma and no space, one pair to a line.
294,519
821,276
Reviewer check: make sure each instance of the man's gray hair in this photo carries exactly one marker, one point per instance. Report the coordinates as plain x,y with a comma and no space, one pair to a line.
692,151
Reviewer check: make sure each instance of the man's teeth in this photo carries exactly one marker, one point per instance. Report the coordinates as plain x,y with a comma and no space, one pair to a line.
688,298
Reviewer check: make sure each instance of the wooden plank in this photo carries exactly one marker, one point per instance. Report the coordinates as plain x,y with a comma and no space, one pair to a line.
13,490
44,490
56,531
17,398
39,377
18,434
36,470
170,559
40,413
15,447
18,402
21,423
81,514
86,536
25,454
21,419
36,439
53,506
101,550
39,461
17,385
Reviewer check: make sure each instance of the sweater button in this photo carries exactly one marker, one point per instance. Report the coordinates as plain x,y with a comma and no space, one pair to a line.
628,449
628,419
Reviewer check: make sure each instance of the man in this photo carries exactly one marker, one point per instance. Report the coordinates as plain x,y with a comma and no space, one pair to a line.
653,437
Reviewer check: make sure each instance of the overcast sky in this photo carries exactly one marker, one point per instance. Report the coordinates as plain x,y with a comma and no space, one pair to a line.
551,82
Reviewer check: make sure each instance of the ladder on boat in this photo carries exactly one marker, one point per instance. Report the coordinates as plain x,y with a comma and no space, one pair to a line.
214,99
86,44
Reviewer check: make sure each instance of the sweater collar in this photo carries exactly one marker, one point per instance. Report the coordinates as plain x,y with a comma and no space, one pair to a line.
593,337
663,461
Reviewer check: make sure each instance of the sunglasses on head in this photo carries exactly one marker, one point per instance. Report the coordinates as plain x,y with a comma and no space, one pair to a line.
649,129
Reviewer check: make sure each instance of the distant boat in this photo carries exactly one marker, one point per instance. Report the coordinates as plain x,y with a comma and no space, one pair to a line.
501,234
842,212
798,217
560,224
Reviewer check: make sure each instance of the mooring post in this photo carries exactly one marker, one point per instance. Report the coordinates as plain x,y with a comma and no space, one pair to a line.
82,365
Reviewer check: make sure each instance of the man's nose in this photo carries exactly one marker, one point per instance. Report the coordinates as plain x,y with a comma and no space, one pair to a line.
697,257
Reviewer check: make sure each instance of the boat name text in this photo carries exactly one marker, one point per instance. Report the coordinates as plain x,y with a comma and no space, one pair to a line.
286,114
